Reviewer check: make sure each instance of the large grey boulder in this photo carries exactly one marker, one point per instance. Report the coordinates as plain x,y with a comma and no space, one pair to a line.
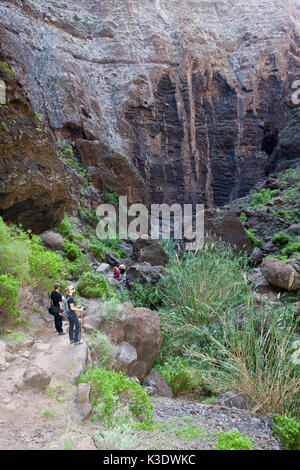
156,385
144,273
53,240
234,400
126,356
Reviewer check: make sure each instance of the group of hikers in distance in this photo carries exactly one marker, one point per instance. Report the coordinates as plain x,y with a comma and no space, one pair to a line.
64,307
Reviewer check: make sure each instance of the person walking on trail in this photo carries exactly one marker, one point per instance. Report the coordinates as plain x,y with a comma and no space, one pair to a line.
122,269
74,323
116,272
56,299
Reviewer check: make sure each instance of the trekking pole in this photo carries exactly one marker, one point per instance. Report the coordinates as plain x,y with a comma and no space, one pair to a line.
80,323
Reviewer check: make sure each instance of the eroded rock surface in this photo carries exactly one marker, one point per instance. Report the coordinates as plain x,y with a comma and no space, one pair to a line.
197,95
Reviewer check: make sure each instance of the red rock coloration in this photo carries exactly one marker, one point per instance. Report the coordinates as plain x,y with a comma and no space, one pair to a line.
197,94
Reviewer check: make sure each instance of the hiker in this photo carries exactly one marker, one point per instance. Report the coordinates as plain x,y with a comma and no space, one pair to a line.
73,318
116,272
56,299
122,268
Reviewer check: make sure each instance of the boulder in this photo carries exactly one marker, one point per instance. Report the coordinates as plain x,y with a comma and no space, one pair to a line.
35,377
234,400
81,402
144,273
140,327
53,240
256,256
261,285
149,251
226,226
295,229
281,274
126,356
157,385
103,268
111,258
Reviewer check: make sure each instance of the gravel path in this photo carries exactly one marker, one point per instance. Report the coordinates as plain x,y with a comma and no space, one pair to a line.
214,418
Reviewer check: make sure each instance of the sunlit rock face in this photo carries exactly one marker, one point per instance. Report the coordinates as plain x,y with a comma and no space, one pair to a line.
196,94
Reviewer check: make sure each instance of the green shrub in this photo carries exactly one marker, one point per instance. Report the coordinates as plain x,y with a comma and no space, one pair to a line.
101,349
181,377
281,239
243,218
288,431
292,248
9,294
146,295
253,239
106,387
72,251
66,228
233,440
46,266
111,197
80,266
94,285
262,197
14,252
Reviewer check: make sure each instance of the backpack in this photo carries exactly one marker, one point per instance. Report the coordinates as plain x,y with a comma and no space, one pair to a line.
64,309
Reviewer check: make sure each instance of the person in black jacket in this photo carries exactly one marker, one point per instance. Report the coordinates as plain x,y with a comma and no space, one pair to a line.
74,323
56,298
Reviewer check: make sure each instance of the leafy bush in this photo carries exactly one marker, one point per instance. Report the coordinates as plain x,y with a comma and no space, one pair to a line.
66,228
288,431
262,197
80,266
233,440
106,387
181,377
253,239
14,252
97,247
122,435
46,266
94,285
146,295
292,248
281,239
111,197
9,294
72,251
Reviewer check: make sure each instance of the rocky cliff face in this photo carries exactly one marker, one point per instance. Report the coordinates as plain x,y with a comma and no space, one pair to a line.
32,180
196,94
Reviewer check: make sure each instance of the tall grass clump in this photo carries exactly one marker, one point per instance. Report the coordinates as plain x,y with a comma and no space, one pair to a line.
198,287
255,359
